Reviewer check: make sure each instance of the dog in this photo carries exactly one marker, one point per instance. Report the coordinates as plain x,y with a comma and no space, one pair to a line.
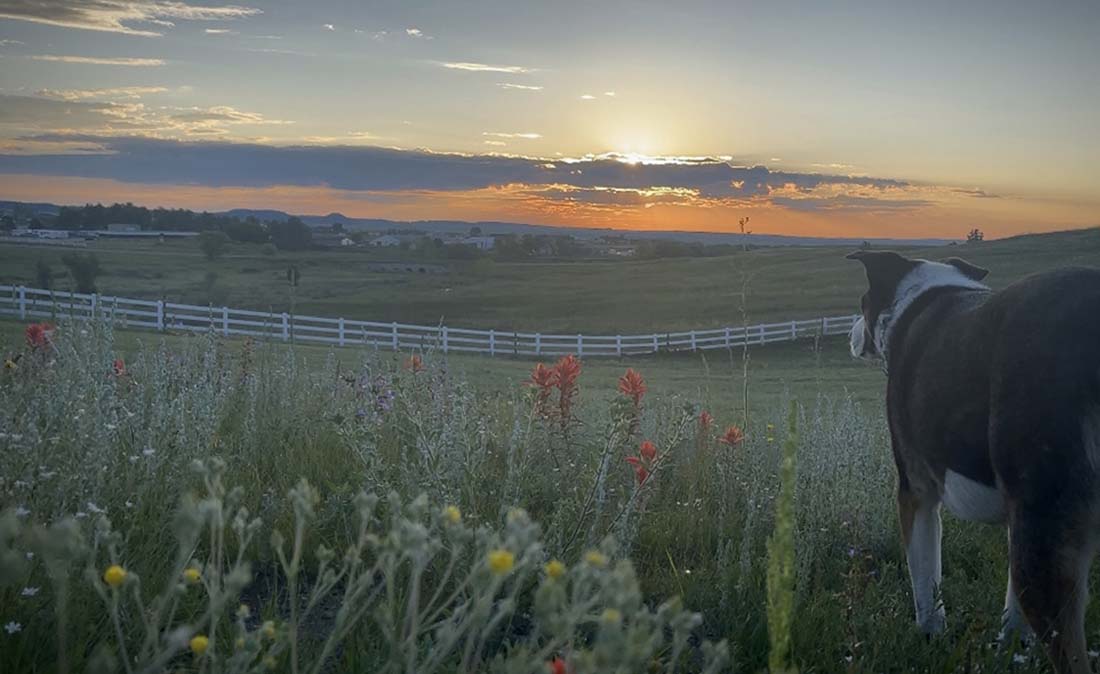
993,404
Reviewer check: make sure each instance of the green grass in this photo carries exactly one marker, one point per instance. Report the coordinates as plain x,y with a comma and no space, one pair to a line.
592,297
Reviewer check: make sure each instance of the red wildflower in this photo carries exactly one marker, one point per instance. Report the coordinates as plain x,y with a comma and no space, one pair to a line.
633,386
644,462
558,666
38,334
733,436
119,367
414,363
640,470
705,421
544,379
566,372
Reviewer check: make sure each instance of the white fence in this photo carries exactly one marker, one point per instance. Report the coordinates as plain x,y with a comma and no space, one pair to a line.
27,303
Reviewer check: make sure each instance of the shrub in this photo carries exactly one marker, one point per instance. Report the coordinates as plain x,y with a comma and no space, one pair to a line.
84,269
212,243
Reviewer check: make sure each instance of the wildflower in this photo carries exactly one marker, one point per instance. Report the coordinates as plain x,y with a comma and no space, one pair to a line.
119,367
452,514
9,364
243,611
268,629
13,627
554,569
557,666
38,334
501,561
567,370
114,575
414,363
640,471
199,643
270,662
611,616
705,421
239,643
732,437
20,511
29,591
543,379
648,451
595,558
192,575
632,386
148,451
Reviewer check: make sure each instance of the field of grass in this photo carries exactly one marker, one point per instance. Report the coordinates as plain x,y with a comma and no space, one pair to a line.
429,589
594,297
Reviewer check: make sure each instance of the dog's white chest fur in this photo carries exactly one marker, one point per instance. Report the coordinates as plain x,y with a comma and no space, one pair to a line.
972,500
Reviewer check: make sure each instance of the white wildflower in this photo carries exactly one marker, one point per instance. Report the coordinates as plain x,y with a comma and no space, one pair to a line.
29,591
13,627
148,451
94,509
22,512
80,514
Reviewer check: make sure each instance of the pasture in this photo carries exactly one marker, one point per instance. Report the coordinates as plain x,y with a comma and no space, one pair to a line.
472,589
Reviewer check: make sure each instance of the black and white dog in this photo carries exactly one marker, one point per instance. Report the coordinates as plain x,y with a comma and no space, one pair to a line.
993,402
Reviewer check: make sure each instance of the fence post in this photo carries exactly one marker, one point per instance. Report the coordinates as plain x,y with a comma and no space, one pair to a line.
341,331
693,340
91,311
619,345
794,331
727,336
396,341
225,321
160,315
824,325
286,327
538,343
492,343
444,331
656,347
580,345
760,328
22,303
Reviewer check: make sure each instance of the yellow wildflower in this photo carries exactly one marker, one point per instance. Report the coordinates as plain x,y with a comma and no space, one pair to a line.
270,663
452,514
555,569
501,561
611,616
199,644
114,575
239,643
268,629
596,558
243,611
9,364
192,575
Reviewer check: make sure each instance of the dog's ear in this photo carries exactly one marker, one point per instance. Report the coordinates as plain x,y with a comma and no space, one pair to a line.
971,271
884,268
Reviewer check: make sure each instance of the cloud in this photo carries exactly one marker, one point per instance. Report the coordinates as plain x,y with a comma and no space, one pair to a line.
7,43
524,87
976,193
845,202
498,143
109,93
609,93
102,61
483,67
221,31
369,169
587,97
328,26
114,15
417,33
221,114
498,134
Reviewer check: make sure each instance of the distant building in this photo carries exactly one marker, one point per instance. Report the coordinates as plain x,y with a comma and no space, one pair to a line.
123,227
347,242
50,233
385,241
480,242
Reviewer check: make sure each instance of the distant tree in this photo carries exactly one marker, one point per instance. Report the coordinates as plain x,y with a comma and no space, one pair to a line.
290,234
7,223
249,230
975,235
212,243
268,249
866,245
84,268
337,228
43,275
475,231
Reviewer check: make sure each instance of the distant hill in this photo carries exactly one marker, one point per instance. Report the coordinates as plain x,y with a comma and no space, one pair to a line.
494,227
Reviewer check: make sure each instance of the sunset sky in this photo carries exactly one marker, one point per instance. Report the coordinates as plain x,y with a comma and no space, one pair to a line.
829,119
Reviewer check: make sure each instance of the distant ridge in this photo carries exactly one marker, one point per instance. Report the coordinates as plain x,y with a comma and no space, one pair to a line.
495,227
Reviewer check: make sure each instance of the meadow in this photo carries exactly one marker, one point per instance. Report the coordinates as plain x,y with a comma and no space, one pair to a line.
179,459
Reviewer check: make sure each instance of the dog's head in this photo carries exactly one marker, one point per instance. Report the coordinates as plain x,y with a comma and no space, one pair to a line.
893,282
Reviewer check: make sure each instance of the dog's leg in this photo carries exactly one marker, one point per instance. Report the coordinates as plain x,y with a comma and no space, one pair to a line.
922,532
1049,564
1013,621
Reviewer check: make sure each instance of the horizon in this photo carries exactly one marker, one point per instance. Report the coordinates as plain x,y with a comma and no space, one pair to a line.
854,122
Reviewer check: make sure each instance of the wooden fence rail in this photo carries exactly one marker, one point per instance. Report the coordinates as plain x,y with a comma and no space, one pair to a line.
35,303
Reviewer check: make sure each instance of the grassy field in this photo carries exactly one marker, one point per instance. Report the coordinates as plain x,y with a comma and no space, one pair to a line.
79,440
591,297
